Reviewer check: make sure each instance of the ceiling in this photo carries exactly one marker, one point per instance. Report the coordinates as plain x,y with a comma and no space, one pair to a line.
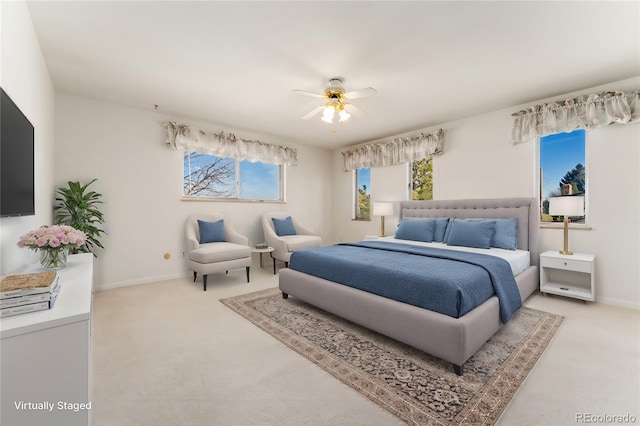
236,63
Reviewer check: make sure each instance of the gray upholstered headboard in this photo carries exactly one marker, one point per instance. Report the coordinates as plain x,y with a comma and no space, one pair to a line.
524,209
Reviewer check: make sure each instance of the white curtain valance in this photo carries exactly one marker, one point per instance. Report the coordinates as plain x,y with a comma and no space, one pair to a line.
400,150
584,112
183,137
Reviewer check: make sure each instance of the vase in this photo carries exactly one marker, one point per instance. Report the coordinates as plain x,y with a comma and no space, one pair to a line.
54,258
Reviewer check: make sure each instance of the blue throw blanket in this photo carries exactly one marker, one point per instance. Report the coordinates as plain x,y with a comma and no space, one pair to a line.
445,281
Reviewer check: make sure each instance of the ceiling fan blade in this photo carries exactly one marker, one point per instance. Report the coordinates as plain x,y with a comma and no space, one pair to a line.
368,91
304,92
313,112
352,109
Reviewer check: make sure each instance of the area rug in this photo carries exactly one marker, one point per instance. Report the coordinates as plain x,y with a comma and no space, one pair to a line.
417,388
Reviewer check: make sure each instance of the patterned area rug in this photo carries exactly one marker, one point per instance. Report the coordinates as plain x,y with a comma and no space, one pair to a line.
416,387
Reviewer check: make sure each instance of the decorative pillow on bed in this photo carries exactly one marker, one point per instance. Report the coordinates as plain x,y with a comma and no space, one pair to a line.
471,234
441,227
211,232
505,234
284,226
416,230
447,230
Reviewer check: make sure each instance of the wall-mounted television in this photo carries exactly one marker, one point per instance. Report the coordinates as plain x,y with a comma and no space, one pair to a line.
17,196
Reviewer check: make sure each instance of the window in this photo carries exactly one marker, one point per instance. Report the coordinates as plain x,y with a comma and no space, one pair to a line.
362,198
562,170
421,185
210,177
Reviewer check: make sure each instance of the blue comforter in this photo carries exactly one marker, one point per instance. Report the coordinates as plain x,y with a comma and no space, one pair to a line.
445,281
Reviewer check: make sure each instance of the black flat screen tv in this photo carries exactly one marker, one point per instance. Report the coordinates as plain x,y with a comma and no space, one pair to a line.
17,197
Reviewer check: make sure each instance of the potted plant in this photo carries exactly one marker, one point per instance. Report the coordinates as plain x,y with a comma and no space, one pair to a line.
76,207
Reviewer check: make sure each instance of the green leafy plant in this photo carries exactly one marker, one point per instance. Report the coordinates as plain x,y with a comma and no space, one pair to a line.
77,207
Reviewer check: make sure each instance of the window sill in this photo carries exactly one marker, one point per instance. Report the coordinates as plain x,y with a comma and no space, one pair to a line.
230,200
560,225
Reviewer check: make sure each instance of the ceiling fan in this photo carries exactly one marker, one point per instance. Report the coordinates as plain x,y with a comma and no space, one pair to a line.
336,101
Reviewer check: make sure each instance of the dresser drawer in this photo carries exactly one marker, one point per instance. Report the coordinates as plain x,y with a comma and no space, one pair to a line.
566,264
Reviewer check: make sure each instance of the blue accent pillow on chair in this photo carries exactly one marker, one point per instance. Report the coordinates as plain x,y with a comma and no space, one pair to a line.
211,232
284,226
471,234
416,230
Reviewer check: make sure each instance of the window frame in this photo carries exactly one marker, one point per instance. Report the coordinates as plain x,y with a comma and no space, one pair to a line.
355,193
539,187
410,179
281,184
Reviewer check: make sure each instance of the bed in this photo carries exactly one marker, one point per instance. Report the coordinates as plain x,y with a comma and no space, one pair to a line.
452,339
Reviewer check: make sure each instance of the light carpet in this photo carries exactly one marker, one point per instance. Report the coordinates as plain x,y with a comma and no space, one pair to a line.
417,388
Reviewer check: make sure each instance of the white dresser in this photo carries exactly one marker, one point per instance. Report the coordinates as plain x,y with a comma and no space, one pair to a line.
45,356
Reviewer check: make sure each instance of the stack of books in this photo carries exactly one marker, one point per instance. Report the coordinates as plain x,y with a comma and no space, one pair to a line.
24,293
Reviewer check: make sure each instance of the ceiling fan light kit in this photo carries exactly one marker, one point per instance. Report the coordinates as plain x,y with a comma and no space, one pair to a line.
337,102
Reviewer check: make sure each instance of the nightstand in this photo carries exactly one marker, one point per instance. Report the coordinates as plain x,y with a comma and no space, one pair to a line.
371,237
568,275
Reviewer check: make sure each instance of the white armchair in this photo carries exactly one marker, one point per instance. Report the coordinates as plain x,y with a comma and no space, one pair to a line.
211,257
284,245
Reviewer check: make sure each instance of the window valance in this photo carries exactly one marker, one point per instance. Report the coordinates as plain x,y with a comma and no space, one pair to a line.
584,112
400,150
227,145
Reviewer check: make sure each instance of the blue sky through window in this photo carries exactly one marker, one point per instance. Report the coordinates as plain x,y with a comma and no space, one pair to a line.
259,181
560,153
364,178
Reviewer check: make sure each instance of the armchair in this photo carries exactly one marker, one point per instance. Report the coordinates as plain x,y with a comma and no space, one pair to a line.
226,250
284,245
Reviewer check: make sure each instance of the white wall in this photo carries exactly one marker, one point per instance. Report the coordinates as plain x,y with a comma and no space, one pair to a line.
141,183
25,78
479,161
141,179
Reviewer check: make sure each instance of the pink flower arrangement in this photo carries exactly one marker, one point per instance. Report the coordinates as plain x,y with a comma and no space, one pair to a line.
52,237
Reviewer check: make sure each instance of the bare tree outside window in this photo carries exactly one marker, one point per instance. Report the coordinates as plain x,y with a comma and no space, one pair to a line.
209,176
206,175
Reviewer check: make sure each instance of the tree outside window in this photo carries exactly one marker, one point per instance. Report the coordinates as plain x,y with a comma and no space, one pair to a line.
363,194
422,179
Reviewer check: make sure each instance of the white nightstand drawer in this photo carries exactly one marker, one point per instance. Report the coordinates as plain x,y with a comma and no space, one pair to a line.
566,264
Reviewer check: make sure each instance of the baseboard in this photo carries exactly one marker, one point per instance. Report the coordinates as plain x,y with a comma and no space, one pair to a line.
146,280
618,302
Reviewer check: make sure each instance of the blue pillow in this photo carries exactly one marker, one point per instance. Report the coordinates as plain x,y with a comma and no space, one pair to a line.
471,234
284,226
211,232
447,231
505,234
441,227
416,230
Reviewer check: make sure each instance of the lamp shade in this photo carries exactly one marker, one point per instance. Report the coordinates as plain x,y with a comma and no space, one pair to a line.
382,208
566,206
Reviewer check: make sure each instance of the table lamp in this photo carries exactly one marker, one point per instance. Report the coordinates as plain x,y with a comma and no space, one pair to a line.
382,209
566,206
